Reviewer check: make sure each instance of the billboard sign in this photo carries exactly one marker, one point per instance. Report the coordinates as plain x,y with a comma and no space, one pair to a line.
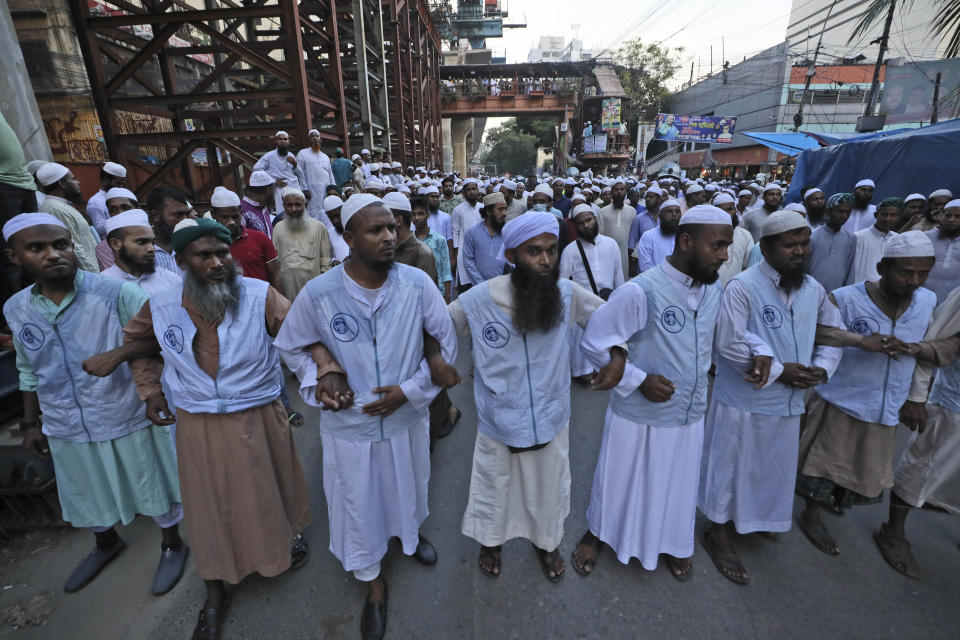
610,114
908,91
672,127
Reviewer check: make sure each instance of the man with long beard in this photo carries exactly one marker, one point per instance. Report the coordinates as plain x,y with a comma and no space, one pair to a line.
616,218
833,248
317,174
131,238
282,166
239,473
765,359
519,328
657,243
302,242
371,314
644,498
481,254
815,202
862,215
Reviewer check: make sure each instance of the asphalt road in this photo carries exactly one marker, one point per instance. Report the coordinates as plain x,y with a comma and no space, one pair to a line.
796,591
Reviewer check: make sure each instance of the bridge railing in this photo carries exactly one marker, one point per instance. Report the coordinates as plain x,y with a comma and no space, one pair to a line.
481,88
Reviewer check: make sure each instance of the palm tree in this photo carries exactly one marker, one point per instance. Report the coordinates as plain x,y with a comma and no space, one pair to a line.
946,26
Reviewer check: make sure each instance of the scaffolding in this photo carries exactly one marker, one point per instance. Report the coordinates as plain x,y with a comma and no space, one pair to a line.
189,91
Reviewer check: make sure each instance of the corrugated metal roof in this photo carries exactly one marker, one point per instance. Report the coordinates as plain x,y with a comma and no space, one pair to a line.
608,82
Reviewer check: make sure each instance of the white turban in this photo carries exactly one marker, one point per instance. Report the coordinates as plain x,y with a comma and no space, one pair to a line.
810,192
866,182
332,202
120,192
706,214
27,220
910,244
396,202
261,179
131,218
915,196
50,173
115,170
782,221
223,197
723,198
355,203
529,225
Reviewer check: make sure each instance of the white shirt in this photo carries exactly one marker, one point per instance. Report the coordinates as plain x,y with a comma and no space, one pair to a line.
279,169
441,224
340,247
316,169
860,219
653,247
151,283
604,257
96,211
737,255
870,243
463,218
615,223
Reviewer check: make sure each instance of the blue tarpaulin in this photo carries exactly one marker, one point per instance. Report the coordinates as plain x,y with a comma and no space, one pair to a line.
788,143
900,162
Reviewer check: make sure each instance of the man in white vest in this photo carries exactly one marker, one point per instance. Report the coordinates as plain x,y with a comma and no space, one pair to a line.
765,359
371,314
130,237
112,463
849,430
644,498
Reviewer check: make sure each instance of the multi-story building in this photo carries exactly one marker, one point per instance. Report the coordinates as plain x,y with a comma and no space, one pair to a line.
556,49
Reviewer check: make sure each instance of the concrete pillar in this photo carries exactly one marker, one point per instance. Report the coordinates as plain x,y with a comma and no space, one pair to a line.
446,149
461,130
17,103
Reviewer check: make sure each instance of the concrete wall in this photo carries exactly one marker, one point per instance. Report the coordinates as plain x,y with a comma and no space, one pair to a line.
17,103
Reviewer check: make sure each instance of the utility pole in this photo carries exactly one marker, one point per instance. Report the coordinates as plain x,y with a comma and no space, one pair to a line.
811,71
875,85
936,99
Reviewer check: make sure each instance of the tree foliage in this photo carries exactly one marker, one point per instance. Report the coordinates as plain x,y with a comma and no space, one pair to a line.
644,70
543,128
510,149
945,26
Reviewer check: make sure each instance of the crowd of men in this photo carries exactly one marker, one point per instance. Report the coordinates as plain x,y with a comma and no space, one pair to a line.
151,340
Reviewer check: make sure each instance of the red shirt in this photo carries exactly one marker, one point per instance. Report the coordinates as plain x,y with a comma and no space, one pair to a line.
252,251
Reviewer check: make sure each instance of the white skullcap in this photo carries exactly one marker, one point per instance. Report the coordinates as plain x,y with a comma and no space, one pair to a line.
373,183
596,189
796,206
745,192
509,184
313,131
915,196
866,182
396,202
655,189
281,133
355,203
581,208
706,214
723,198
332,202
50,173
493,198
754,184
131,218
617,181
712,187
395,165
223,197
578,196
33,165
120,192
606,188
467,181
773,186
569,181
529,225
186,223
544,189
430,190
290,190
27,220
404,189
115,170
941,193
694,188
355,156
910,244
261,179
374,166
782,221
672,202
365,152
810,192
952,204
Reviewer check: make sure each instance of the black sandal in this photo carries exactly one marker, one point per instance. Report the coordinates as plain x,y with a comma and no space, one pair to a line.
677,571
586,567
493,553
725,559
548,562
299,552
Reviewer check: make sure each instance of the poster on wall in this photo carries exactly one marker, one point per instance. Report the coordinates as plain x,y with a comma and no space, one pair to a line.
672,127
908,91
610,114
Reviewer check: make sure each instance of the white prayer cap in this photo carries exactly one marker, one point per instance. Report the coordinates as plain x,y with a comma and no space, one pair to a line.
952,204
355,203
712,187
313,131
33,165
705,214
27,220
810,192
467,181
723,198
120,192
745,192
509,184
866,182
355,156
655,189
529,225
581,208
672,202
773,186
915,196
596,189
332,202
404,189
50,173
365,152
280,133
544,189
578,196
694,188
395,165
396,201
606,188
796,206
290,190
617,181
373,183
131,218
374,166
429,190
114,169
569,181
941,193
185,224
223,197
261,179
782,221
754,184
910,244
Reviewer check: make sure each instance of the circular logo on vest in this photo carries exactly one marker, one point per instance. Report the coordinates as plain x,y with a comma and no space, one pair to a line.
31,336
865,325
173,338
673,319
496,335
772,316
345,327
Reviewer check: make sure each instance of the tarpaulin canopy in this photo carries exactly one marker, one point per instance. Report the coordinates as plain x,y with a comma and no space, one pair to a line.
788,143
900,162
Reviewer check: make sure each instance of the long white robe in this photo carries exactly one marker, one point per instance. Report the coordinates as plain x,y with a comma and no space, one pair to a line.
318,175
279,169
870,243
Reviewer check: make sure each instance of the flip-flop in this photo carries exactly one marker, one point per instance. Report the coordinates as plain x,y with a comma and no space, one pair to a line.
897,553
724,559
488,552
819,536
295,418
674,566
548,563
586,567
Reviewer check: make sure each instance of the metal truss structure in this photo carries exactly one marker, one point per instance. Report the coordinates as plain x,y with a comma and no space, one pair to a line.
187,91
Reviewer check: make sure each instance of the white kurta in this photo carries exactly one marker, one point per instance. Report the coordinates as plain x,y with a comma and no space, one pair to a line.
375,490
860,219
749,464
653,247
464,217
318,175
615,223
870,243
644,497
97,211
738,254
151,283
279,169
340,247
